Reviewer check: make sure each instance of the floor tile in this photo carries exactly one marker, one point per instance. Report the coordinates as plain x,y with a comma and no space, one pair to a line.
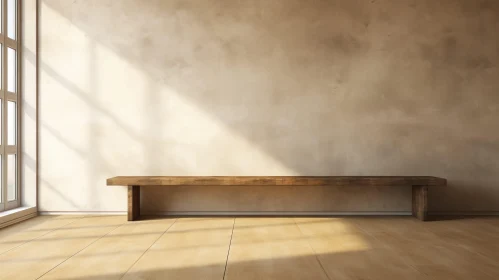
33,259
326,226
387,224
436,272
109,247
190,249
372,264
18,234
112,255
271,248
252,230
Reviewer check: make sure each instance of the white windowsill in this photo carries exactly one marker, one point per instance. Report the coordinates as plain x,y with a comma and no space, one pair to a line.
16,215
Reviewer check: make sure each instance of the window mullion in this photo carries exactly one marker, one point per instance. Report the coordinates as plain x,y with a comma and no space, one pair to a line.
9,149
10,43
9,96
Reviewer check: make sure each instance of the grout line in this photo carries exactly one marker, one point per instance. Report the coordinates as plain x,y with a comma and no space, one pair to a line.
82,250
137,260
228,251
313,250
42,235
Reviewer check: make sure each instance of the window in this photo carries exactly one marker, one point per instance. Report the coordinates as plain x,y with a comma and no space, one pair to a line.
9,97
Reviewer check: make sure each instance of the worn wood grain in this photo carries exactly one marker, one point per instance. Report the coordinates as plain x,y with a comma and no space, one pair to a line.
133,203
420,202
276,181
419,185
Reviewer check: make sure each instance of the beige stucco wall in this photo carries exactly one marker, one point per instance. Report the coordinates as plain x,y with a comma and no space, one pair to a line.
285,87
28,106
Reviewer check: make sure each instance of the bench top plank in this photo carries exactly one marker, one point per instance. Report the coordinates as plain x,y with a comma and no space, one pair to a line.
276,181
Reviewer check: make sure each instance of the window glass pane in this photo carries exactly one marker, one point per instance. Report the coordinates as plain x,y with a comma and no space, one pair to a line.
11,177
11,70
11,123
11,19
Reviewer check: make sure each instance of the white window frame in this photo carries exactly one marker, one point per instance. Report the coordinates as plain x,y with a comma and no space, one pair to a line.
6,96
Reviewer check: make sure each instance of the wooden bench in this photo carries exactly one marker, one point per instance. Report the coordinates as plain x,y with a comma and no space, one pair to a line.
419,185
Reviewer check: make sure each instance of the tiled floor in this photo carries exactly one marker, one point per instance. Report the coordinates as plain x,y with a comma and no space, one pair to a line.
109,247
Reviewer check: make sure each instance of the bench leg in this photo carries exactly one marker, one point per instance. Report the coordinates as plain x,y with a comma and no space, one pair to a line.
133,203
420,202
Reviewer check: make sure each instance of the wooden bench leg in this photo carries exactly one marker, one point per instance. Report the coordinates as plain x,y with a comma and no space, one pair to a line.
420,202
133,203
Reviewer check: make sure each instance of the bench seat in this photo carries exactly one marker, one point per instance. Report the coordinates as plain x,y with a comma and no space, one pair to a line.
419,185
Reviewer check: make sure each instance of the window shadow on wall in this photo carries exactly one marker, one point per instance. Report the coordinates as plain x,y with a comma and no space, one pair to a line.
320,88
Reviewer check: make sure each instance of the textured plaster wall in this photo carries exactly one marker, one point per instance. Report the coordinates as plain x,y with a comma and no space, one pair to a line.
284,87
28,106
